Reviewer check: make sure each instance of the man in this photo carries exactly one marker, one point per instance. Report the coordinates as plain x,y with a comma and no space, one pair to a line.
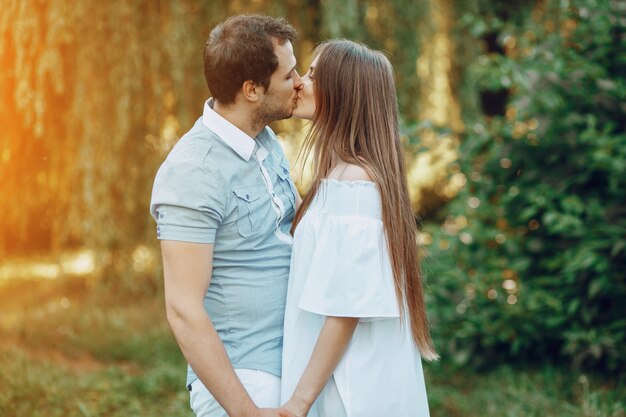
224,202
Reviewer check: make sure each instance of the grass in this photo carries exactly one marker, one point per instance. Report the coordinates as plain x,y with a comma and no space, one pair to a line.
77,348
510,392
71,350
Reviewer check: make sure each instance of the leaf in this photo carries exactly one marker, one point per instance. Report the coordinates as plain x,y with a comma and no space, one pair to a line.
618,247
596,287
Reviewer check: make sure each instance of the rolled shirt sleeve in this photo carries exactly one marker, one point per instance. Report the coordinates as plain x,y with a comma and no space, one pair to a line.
188,202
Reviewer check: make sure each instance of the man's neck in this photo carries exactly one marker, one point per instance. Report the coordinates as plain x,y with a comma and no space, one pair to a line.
239,117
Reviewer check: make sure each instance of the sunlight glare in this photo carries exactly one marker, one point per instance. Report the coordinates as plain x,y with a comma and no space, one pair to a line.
82,263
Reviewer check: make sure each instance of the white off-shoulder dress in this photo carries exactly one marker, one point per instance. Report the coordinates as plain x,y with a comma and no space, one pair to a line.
340,267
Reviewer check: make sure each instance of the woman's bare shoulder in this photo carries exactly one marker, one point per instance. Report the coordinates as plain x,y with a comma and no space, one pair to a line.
354,172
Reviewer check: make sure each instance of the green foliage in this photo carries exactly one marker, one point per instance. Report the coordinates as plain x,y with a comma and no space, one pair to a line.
530,261
60,367
511,392
75,348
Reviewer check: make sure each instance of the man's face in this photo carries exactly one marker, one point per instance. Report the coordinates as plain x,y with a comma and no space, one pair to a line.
279,100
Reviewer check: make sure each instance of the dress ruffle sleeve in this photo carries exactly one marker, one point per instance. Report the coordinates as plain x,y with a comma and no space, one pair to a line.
348,274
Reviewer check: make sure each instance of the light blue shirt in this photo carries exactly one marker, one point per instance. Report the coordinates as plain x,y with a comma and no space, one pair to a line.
220,186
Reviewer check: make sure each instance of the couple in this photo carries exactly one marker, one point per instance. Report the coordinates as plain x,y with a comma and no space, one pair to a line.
257,281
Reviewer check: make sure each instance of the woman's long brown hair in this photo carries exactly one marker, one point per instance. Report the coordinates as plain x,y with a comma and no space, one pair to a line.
356,121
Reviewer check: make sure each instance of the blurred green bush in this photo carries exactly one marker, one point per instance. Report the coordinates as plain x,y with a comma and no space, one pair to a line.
530,263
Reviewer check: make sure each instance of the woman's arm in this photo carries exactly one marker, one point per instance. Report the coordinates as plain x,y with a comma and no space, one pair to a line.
329,348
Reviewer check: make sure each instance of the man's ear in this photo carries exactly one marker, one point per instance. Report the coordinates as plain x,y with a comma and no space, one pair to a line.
251,91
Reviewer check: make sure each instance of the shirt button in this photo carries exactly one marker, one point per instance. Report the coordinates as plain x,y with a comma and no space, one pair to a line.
248,196
285,170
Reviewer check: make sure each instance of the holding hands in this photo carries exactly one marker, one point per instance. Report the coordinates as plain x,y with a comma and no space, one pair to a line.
275,412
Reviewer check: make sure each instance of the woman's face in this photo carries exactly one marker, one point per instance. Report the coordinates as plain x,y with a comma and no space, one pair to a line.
305,103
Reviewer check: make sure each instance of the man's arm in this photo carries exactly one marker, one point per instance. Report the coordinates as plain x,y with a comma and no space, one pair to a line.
187,269
329,348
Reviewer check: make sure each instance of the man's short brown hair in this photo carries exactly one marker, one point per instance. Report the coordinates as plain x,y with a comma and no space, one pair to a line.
241,49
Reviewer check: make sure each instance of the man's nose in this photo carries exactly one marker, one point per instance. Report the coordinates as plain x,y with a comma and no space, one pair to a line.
297,82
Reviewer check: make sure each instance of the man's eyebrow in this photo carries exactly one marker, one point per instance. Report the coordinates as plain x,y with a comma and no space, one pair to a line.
291,70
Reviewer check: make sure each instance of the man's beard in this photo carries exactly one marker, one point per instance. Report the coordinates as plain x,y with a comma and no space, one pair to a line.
271,110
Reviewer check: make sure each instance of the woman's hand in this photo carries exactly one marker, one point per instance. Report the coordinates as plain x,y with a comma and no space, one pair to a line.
297,407
274,412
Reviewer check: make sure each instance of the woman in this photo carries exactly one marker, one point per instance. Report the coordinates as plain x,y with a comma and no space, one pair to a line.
355,320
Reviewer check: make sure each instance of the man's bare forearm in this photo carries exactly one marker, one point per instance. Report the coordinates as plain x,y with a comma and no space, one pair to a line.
205,352
187,275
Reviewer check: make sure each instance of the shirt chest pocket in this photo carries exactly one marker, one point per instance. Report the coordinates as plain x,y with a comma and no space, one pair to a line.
252,207
285,183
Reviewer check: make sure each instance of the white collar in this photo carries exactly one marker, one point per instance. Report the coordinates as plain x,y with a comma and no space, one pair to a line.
228,132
